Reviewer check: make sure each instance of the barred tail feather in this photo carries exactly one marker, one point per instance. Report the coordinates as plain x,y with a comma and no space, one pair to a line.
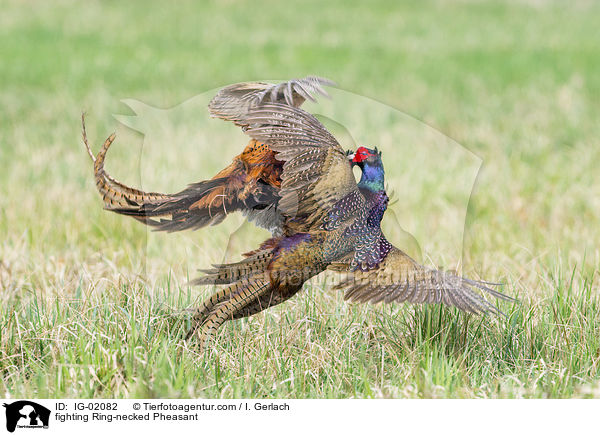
225,305
114,193
200,204
176,212
232,272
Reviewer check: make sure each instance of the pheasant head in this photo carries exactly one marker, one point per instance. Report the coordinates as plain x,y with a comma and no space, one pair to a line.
369,161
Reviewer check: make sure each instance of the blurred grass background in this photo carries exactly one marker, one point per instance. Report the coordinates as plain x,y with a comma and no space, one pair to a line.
86,313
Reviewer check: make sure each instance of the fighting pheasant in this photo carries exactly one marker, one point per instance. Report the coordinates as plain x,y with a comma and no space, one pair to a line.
329,221
296,180
250,184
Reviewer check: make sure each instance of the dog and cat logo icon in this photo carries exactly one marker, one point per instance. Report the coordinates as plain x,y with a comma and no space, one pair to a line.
24,414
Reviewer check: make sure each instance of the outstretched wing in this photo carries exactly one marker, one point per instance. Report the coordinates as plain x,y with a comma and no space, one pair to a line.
316,173
233,102
399,278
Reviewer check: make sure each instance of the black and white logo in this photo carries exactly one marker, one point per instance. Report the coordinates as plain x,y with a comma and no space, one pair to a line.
24,414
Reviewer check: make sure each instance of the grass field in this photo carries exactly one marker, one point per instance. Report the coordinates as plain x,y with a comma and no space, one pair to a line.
92,304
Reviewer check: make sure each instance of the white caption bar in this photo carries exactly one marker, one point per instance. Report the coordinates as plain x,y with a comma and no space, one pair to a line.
74,416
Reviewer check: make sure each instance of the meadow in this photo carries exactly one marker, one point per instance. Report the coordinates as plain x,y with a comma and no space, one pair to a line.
93,305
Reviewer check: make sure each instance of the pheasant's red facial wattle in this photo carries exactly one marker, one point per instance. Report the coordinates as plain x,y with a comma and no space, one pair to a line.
361,154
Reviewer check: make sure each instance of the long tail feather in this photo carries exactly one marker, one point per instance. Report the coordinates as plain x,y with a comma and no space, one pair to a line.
228,303
231,272
200,204
114,193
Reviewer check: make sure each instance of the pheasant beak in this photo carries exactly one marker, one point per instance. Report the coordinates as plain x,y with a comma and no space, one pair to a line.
351,156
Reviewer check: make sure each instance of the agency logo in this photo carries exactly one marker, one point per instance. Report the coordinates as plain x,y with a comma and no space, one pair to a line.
24,414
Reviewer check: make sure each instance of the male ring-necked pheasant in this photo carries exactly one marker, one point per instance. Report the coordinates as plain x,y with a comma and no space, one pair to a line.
329,221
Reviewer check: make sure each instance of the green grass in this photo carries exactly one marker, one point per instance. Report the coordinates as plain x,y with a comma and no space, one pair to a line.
92,304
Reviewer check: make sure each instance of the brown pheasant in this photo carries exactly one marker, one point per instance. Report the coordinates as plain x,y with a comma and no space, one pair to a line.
249,184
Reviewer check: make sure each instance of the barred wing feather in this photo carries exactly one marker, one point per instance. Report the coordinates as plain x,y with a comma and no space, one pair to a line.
233,102
399,278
